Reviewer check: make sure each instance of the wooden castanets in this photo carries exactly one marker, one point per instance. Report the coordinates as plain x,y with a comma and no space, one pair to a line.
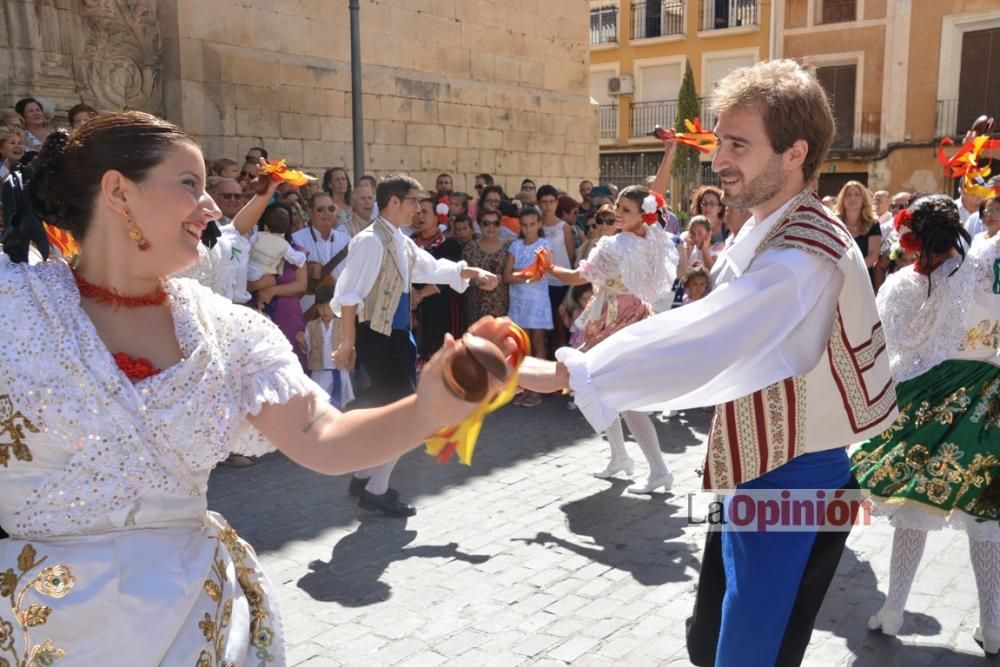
983,125
468,371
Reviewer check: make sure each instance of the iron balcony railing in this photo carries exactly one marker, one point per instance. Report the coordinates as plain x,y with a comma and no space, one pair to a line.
657,19
603,24
647,115
723,14
955,117
609,121
858,132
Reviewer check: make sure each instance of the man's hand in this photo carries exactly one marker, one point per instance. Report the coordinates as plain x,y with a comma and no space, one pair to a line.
313,270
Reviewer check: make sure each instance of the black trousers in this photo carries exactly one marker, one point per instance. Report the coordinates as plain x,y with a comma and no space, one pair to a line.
389,363
704,625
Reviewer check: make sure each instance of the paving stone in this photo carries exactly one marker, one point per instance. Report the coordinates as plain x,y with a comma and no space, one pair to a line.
525,558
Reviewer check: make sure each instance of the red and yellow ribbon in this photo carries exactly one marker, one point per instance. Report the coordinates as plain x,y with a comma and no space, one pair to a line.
62,240
461,439
536,270
696,137
278,171
964,164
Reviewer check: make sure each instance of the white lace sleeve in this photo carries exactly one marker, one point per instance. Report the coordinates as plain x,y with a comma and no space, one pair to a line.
922,331
602,264
269,373
649,265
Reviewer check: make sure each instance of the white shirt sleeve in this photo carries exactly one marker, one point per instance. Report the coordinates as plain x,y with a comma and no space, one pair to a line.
308,344
771,323
426,269
364,260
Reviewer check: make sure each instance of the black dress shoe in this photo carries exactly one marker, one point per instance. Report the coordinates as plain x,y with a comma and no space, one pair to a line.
388,504
357,486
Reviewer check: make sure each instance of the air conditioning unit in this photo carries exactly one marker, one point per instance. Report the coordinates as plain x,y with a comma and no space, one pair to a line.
621,85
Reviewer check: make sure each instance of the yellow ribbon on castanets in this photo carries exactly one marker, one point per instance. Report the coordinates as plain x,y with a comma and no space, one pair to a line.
279,171
461,439
62,240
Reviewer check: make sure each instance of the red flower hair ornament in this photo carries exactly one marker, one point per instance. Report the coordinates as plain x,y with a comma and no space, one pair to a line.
903,224
651,206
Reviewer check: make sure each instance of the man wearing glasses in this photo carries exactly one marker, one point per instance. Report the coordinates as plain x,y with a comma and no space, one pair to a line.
483,181
372,298
228,196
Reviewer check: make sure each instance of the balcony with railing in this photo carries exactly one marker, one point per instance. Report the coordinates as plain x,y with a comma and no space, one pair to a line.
857,133
662,18
955,117
603,24
647,115
609,121
725,14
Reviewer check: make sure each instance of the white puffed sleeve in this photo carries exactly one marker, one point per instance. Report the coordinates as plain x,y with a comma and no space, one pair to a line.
268,372
922,330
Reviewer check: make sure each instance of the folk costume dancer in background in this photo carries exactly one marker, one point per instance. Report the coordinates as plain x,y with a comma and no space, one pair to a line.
630,271
372,297
939,463
790,324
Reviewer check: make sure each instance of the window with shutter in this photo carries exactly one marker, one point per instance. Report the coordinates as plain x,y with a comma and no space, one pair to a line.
838,11
979,77
839,83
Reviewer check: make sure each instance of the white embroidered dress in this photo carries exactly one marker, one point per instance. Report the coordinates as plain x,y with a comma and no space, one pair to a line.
113,557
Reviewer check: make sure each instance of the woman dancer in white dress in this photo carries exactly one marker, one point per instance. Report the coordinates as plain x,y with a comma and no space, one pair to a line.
104,461
630,271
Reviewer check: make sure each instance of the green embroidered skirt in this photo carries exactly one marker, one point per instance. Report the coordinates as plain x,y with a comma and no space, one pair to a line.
943,452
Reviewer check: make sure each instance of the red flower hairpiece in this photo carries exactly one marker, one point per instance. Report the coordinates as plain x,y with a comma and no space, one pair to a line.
651,206
903,224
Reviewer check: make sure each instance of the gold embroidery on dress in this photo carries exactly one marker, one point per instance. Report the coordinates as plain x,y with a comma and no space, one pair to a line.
985,334
53,582
261,634
988,406
12,425
956,404
940,477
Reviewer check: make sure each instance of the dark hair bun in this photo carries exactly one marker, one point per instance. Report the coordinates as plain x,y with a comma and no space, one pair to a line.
46,189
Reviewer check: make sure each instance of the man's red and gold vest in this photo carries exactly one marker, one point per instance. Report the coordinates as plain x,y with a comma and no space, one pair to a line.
848,397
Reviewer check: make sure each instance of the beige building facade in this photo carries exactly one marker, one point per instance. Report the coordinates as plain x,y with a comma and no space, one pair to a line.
497,86
902,74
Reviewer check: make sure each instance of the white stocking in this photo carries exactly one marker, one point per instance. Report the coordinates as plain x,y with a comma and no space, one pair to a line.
645,434
378,477
986,565
616,438
907,549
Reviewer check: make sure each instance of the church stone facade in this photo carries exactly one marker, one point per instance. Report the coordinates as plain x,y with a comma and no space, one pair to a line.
500,86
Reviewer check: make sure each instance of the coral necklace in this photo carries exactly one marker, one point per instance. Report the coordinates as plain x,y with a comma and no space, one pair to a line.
134,369
111,297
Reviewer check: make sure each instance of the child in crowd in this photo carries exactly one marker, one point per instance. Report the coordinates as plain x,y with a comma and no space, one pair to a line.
695,285
318,341
698,243
271,247
11,149
529,302
461,228
458,204
226,168
570,312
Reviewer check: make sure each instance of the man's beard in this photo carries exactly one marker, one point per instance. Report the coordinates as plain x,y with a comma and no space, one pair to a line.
761,189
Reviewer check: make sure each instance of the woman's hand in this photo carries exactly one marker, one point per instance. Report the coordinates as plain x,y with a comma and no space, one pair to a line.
434,399
264,297
344,356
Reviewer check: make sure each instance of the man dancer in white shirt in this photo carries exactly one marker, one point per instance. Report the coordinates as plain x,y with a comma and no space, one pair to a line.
372,297
798,368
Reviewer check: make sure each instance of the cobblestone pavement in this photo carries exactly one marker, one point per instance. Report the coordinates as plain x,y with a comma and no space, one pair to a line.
524,558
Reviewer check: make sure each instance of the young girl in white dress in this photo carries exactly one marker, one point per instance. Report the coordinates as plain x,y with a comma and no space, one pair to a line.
121,388
530,308
630,271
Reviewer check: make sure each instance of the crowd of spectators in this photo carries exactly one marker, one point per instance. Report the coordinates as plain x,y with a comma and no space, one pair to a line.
288,241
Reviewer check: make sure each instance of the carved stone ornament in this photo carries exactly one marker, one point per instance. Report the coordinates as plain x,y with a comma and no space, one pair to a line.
119,54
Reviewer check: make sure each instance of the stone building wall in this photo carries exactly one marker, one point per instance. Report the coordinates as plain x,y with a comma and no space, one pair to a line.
449,85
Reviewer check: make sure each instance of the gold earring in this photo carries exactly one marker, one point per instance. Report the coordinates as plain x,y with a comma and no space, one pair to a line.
135,233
